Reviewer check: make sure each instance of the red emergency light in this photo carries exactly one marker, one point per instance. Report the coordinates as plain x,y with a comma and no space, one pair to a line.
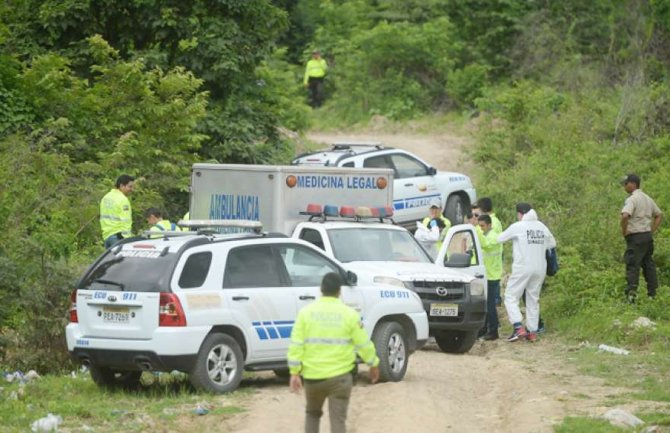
314,209
347,211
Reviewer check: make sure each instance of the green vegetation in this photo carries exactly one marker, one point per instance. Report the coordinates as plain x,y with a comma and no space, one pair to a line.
567,96
163,400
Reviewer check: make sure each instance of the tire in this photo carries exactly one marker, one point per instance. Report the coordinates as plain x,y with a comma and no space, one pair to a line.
391,344
219,365
111,379
455,209
456,341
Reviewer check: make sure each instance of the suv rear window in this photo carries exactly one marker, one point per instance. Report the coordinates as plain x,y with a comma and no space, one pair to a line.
131,271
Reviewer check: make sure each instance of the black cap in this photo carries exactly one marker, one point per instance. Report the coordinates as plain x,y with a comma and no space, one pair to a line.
631,178
523,208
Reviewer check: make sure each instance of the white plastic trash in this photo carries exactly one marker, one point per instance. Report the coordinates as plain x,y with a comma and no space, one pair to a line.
621,418
47,424
611,349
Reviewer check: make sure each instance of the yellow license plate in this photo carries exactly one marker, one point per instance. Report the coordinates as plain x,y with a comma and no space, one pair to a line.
444,310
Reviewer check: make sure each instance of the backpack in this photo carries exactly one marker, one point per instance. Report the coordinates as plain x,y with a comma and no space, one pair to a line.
552,262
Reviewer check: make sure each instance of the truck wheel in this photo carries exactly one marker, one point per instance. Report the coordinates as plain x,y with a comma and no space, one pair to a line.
107,378
456,341
455,210
390,342
219,365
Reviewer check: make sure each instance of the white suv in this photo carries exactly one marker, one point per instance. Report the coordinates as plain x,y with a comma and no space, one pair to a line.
213,305
416,183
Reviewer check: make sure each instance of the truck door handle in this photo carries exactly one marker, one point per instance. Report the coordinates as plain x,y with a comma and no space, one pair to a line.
409,184
479,275
305,297
240,298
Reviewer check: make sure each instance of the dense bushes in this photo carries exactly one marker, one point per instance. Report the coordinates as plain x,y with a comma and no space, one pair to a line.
565,152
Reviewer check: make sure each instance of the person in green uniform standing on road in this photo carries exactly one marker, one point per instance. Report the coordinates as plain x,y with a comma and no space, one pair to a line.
325,339
315,72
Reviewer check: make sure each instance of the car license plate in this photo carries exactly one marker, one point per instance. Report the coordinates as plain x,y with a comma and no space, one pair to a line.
448,310
116,315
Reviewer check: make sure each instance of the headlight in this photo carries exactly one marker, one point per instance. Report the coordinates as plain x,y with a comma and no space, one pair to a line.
392,281
477,287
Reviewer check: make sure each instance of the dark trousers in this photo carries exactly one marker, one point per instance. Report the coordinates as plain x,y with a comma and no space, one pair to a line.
113,239
337,390
639,254
492,296
315,91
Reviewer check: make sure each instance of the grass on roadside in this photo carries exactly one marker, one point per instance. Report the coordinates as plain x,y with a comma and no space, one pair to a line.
83,406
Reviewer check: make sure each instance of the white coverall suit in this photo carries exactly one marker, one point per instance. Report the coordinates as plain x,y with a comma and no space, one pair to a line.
530,241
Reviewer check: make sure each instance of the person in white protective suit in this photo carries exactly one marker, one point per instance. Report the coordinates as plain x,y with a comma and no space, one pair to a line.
530,241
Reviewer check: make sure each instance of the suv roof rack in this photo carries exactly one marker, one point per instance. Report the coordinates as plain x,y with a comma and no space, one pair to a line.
201,223
344,145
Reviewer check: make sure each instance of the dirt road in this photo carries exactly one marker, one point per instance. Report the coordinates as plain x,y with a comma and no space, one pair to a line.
498,387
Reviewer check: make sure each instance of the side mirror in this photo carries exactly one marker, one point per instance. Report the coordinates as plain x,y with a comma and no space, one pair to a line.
351,278
432,171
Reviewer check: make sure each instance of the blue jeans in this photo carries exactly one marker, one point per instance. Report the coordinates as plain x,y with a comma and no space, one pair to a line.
492,294
110,241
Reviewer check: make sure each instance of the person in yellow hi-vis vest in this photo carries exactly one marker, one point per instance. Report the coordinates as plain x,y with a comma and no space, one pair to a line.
315,72
493,263
116,217
156,222
325,339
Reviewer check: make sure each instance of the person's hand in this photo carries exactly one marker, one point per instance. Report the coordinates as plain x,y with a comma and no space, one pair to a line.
295,383
374,375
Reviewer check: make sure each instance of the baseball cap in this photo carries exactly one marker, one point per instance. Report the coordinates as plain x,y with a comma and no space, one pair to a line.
631,178
436,202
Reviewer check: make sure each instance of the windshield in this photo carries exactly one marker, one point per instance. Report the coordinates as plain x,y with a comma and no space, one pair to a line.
130,271
362,244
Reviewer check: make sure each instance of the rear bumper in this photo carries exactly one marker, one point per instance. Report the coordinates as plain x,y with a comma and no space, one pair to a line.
133,360
169,348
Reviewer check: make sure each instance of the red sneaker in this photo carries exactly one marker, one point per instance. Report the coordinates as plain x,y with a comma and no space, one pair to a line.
518,334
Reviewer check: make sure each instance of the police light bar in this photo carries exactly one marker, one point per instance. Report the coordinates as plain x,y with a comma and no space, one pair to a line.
245,224
360,212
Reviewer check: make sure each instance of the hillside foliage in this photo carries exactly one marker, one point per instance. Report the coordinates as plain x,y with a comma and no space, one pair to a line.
568,96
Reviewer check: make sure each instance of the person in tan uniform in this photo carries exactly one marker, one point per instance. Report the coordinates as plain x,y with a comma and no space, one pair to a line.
640,218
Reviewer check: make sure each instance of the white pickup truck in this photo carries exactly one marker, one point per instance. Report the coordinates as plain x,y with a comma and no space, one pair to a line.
416,183
454,296
453,293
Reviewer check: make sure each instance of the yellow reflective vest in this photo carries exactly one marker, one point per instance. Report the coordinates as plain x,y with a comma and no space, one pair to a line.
115,214
164,226
495,223
316,68
325,339
493,251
